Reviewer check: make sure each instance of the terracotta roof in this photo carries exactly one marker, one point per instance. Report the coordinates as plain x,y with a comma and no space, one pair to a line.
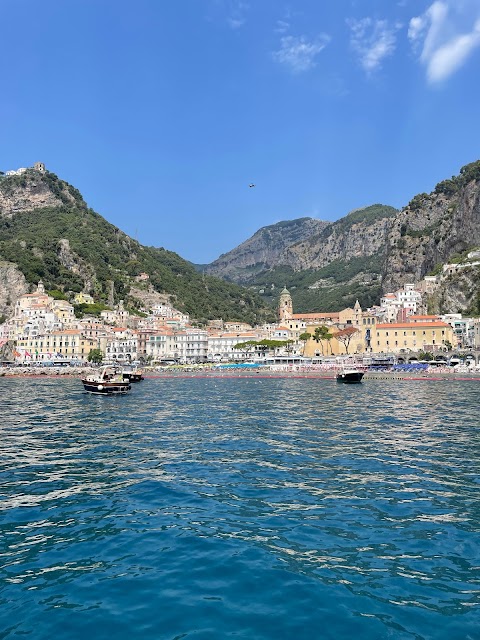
424,318
299,316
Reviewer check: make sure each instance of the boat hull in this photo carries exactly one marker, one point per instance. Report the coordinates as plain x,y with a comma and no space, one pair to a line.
350,377
106,388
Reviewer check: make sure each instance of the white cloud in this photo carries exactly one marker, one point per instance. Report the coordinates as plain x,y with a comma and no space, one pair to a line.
282,26
373,40
439,36
237,13
298,53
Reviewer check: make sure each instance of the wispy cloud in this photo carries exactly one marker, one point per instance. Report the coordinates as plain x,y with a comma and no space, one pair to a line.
237,13
439,37
372,40
299,53
282,26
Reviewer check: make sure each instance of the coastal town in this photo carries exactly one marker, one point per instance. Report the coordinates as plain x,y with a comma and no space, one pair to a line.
44,330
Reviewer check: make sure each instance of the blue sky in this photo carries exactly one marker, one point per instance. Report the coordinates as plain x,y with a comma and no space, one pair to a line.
163,111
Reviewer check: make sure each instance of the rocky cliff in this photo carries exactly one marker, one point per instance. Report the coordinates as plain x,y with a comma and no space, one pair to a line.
457,293
370,251
12,285
361,233
34,190
434,227
264,250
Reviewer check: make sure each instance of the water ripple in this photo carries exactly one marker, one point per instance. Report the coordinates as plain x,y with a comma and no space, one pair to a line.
251,508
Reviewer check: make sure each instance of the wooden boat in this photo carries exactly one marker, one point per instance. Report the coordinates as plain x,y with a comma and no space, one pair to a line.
350,375
108,381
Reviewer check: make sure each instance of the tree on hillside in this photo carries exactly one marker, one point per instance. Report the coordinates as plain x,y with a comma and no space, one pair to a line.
345,336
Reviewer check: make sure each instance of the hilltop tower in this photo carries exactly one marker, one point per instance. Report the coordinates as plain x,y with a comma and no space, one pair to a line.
285,305
39,166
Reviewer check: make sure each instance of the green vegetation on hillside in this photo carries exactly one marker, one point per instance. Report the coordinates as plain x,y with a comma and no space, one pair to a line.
98,252
448,187
340,284
467,173
368,215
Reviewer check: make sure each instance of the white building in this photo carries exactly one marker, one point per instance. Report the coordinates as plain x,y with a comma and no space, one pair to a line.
186,346
463,328
121,346
401,304
221,346
160,346
191,345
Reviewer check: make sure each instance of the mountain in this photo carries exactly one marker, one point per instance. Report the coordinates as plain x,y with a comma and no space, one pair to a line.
438,228
48,232
370,251
328,266
263,250
434,227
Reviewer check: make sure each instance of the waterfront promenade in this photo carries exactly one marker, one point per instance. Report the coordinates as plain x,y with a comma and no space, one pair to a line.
274,371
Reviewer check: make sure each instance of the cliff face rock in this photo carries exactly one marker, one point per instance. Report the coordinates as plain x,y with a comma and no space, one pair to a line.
32,190
362,233
12,285
264,250
148,297
434,227
459,293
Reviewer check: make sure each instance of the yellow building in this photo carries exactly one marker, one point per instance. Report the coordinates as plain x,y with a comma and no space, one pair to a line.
69,343
83,298
37,300
411,336
63,311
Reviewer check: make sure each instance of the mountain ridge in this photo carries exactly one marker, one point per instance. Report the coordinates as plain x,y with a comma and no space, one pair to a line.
48,232
373,250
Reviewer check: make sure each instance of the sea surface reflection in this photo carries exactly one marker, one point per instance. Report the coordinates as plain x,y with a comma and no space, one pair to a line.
244,508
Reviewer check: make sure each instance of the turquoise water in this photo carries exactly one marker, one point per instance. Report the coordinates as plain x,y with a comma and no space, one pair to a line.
240,508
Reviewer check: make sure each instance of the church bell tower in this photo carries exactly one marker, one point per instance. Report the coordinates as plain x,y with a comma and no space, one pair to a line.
285,305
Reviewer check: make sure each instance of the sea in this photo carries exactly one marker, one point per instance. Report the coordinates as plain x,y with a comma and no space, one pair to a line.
240,507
